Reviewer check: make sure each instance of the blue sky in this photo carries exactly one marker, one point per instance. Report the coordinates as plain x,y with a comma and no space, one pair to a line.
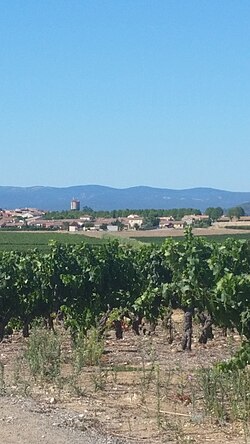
125,93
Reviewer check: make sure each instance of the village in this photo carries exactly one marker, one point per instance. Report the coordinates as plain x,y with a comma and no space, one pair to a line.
36,219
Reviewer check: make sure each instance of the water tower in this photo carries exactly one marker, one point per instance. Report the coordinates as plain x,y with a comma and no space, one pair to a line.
75,204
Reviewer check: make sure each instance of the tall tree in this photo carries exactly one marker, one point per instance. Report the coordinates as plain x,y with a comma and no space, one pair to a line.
236,212
214,213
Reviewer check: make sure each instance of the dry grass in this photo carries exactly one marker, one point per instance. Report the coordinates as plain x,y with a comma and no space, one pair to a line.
169,232
143,389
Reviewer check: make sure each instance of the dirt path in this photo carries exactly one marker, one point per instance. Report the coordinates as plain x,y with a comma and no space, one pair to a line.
23,421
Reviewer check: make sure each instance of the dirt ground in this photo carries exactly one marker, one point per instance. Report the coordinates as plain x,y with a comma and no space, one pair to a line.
168,232
24,421
142,392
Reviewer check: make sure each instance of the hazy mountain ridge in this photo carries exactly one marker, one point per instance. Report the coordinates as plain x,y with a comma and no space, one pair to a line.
107,198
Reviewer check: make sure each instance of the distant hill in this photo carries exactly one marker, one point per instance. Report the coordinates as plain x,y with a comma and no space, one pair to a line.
246,207
107,198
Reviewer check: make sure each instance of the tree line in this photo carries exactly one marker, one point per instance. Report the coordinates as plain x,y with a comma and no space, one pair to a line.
214,213
176,213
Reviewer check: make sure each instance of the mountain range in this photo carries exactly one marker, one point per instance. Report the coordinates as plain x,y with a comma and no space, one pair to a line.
106,198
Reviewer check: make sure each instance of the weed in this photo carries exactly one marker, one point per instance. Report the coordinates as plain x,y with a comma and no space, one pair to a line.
147,372
99,378
114,374
73,383
2,381
158,395
88,350
125,368
147,376
43,355
226,394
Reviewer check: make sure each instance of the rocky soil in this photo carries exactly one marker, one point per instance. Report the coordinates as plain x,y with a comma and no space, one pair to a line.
143,391
24,421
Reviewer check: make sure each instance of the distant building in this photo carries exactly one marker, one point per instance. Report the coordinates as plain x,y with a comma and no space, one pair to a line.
134,221
75,204
112,228
73,227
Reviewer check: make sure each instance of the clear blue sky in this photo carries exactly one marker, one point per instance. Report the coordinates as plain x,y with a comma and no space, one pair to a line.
125,93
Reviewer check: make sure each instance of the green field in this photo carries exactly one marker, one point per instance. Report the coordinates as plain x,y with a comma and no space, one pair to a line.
12,240
30,240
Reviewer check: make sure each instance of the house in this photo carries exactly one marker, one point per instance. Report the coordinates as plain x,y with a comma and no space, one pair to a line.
26,215
51,224
112,228
86,218
223,219
103,221
73,227
226,222
244,219
134,221
166,222
190,219
179,224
